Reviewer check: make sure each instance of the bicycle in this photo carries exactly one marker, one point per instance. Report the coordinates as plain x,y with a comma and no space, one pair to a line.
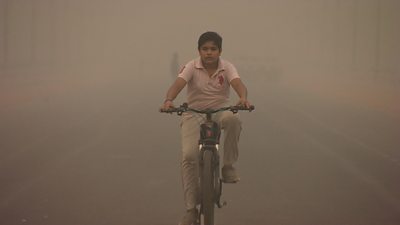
210,182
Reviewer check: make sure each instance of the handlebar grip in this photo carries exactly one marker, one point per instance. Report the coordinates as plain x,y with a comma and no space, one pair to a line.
167,110
240,107
179,110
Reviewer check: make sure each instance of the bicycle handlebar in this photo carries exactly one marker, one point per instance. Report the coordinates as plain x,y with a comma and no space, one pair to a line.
184,108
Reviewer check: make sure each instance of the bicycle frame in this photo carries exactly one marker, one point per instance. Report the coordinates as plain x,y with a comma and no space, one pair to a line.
209,160
210,134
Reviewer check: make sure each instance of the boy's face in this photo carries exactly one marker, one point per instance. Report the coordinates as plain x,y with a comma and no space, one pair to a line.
209,53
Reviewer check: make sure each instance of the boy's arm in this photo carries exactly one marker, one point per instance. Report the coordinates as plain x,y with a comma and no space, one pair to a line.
241,90
173,92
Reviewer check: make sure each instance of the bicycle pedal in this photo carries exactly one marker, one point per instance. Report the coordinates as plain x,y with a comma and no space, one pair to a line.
224,203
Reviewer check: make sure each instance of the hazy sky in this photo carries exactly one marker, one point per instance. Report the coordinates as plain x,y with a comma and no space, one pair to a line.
307,36
81,82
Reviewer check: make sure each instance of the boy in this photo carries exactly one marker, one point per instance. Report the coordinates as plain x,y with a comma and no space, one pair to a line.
208,79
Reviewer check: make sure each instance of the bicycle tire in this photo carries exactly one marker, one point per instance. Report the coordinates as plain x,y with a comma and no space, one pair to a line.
208,196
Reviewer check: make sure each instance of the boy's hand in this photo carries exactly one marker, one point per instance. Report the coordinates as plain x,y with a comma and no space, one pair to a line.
168,104
244,102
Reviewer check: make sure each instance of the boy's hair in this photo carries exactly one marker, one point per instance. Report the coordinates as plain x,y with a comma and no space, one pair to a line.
210,36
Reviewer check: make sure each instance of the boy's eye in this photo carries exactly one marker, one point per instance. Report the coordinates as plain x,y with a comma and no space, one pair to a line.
212,49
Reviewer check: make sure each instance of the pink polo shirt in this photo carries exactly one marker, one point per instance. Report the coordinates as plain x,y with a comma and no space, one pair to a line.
203,91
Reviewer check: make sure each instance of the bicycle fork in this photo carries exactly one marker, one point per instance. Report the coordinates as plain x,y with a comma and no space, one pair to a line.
210,133
209,155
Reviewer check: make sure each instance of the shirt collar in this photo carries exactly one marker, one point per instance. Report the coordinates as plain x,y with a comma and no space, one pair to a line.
199,65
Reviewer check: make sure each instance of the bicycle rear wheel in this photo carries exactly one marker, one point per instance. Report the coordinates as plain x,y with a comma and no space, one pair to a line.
208,195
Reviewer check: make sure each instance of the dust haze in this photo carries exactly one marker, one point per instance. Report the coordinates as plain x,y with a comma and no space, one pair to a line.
82,141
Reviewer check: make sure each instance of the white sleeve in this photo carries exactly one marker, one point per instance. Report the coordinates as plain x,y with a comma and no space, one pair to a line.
232,73
186,72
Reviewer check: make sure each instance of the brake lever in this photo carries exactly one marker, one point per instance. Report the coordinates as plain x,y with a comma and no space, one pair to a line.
251,108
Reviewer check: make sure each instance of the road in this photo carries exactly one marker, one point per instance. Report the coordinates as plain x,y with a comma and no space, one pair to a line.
84,154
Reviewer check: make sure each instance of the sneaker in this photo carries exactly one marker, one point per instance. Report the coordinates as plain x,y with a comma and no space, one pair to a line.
190,218
229,174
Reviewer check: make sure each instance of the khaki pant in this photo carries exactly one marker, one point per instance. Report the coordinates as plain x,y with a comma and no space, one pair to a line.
190,131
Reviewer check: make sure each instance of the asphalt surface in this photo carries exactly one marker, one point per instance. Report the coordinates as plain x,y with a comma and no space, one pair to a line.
78,154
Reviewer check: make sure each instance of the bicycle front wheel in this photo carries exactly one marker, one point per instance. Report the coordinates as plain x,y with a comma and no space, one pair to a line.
208,195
